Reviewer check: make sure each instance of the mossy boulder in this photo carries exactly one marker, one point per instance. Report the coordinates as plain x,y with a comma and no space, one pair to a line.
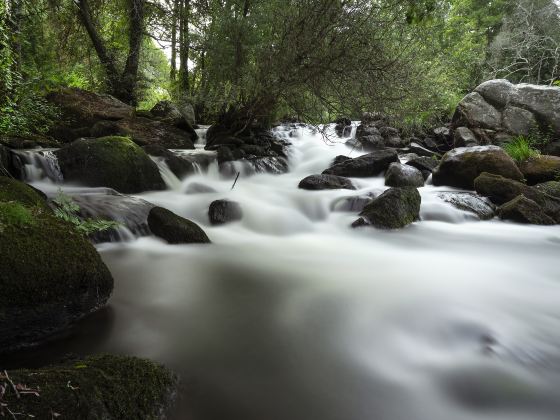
551,188
394,209
325,182
524,210
460,167
175,229
114,162
540,169
98,387
12,190
50,275
500,190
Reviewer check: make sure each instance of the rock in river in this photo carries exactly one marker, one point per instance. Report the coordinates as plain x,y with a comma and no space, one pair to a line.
394,209
175,229
50,275
114,162
326,182
224,211
399,175
365,166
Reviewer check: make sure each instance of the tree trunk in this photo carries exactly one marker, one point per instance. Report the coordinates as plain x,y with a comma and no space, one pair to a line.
104,55
173,74
15,22
129,78
184,48
121,85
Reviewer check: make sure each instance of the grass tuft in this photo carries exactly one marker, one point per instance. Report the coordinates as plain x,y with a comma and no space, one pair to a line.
522,148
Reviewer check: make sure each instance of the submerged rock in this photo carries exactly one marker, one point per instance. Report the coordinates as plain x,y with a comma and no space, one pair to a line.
50,275
364,166
352,204
198,188
523,210
399,175
114,162
394,209
326,182
459,167
175,229
98,387
224,211
469,202
541,169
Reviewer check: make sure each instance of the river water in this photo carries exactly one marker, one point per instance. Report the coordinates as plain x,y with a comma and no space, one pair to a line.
292,315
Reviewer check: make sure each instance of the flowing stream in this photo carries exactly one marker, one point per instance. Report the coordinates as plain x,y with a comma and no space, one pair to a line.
292,315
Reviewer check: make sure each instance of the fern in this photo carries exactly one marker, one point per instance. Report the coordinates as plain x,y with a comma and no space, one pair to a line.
67,210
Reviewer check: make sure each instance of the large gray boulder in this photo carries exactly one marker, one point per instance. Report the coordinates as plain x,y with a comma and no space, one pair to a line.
460,167
505,108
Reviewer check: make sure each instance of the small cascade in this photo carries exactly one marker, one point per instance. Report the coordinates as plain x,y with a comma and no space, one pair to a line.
39,165
107,204
170,179
201,133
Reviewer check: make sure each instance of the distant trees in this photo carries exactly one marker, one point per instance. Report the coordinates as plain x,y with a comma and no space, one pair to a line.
527,48
257,60
122,84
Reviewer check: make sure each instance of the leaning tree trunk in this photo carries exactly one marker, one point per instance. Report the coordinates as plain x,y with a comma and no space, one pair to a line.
184,47
129,78
121,85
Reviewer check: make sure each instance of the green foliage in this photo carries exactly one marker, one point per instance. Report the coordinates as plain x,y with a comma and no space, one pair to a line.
14,214
522,148
68,210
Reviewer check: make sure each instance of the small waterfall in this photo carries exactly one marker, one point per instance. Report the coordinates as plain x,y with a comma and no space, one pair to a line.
201,132
170,179
107,204
39,165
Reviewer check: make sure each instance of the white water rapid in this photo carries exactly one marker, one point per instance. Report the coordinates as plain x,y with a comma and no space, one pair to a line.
292,315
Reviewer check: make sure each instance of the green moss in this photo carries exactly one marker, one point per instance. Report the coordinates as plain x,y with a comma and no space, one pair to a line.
12,190
50,275
12,213
48,261
99,387
114,162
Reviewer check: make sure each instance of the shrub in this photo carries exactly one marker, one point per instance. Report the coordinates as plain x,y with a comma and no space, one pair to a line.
522,148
